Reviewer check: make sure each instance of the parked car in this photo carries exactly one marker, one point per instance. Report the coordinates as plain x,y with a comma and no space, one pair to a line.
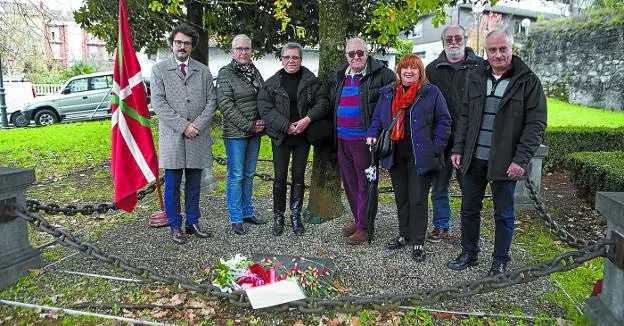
17,94
81,97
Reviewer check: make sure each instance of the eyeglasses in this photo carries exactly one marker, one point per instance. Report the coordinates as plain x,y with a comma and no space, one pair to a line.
180,43
288,57
240,49
457,38
352,54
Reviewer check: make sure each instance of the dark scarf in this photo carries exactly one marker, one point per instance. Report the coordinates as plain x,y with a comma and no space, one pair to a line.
249,72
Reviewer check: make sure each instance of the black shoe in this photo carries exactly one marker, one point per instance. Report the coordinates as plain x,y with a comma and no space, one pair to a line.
239,228
463,260
418,253
253,219
497,268
177,236
397,243
197,231
278,223
297,226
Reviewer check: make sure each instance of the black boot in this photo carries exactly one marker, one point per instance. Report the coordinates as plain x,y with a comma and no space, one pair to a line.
296,204
279,206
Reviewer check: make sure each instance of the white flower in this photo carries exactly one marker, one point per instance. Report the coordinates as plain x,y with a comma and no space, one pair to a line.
233,263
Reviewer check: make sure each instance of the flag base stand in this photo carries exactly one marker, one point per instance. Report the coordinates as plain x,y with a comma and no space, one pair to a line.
158,220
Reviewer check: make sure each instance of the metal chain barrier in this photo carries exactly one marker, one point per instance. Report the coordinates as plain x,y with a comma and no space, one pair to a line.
70,210
262,176
557,230
563,262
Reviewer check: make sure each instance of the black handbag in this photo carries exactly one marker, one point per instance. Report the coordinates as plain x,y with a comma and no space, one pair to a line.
385,145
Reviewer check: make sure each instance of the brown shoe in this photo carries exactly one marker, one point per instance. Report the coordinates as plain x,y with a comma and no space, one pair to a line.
348,231
358,237
437,234
177,236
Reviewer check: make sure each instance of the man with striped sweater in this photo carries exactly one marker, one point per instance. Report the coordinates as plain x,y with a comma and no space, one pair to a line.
500,127
354,92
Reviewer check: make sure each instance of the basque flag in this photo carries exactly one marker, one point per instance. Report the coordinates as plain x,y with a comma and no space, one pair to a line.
134,160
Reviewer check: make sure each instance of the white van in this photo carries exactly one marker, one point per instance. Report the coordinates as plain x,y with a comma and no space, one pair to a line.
17,95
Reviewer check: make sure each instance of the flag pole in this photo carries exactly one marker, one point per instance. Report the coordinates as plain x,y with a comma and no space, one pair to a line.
160,197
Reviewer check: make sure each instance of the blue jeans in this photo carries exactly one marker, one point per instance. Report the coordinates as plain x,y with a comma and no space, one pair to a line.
473,190
242,156
440,199
192,186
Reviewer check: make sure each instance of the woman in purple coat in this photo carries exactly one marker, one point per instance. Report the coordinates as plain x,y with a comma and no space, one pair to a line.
420,135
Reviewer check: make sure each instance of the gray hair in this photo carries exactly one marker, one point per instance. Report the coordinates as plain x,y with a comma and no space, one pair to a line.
292,45
453,26
357,40
500,31
240,37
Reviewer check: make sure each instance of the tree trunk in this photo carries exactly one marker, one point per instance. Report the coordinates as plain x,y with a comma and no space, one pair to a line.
325,190
195,16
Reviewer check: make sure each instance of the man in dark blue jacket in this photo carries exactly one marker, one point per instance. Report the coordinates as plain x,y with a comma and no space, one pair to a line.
449,72
500,128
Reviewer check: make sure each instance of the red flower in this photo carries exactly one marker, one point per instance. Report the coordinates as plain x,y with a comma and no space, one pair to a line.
325,272
315,272
295,271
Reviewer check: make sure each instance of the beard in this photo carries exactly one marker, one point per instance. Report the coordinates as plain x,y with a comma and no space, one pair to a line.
456,53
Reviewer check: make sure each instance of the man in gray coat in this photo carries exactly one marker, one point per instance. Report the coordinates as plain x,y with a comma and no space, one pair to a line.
184,99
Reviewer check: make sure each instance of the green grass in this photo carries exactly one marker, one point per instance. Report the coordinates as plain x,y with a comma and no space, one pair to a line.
562,114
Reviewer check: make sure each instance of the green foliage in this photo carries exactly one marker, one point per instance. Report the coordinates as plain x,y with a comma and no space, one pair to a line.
596,171
403,47
368,317
565,140
79,69
600,5
58,76
417,316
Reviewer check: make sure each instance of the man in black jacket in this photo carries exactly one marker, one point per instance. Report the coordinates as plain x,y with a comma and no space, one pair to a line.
354,90
500,128
449,72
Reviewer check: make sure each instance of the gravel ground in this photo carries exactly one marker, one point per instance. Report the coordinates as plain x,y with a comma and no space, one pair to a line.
367,270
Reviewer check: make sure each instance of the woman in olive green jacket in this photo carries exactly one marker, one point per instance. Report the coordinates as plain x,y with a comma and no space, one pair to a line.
237,90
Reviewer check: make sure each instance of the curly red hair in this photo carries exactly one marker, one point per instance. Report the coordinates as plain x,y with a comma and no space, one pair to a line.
414,61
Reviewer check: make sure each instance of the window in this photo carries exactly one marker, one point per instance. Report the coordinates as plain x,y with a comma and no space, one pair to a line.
101,82
78,85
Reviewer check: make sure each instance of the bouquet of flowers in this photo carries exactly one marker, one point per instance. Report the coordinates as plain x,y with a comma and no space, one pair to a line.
240,273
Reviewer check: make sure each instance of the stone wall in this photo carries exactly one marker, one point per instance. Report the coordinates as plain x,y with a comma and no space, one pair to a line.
580,60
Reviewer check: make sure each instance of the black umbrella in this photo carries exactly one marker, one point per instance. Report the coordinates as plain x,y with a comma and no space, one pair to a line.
372,192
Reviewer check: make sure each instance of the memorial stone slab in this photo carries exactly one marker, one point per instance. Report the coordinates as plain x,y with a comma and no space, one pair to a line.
16,253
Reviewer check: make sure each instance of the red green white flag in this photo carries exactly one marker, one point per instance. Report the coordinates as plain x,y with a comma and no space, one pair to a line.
134,160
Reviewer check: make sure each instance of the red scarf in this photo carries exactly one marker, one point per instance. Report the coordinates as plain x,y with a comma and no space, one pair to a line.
402,100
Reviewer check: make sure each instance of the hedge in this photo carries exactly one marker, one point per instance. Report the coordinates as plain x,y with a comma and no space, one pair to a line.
596,171
562,141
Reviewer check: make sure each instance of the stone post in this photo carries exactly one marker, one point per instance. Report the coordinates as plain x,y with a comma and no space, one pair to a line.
607,308
16,253
523,202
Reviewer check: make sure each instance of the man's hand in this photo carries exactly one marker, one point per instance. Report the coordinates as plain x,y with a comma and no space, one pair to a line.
515,171
191,131
302,124
457,160
291,128
258,126
371,141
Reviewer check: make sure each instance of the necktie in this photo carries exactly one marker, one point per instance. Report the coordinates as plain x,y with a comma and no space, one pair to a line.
183,69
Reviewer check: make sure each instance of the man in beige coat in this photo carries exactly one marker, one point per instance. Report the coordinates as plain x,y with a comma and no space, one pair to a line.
184,99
